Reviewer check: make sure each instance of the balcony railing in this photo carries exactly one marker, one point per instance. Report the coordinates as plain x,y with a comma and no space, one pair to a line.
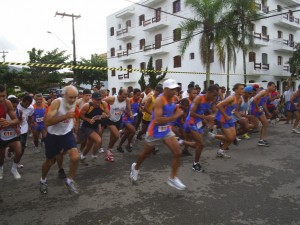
262,66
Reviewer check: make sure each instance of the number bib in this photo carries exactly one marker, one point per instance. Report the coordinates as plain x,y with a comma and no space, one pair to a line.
199,124
162,128
40,119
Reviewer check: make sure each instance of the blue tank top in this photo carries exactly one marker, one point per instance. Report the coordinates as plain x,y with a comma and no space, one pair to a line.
228,111
159,131
39,114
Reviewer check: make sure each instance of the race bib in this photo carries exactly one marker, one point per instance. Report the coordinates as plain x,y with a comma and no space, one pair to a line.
7,134
40,119
118,113
199,124
162,128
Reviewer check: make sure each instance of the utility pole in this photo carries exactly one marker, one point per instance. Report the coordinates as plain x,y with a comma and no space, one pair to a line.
3,55
73,31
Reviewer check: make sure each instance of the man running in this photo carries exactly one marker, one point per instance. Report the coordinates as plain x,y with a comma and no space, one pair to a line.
60,137
160,130
295,105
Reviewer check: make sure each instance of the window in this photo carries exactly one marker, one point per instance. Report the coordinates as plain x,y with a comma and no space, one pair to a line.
142,44
279,8
113,73
177,34
177,61
112,52
279,34
192,55
114,91
142,65
252,57
128,46
264,57
251,27
158,38
128,23
129,67
120,47
158,64
279,60
264,30
157,14
176,6
291,37
119,26
112,31
141,20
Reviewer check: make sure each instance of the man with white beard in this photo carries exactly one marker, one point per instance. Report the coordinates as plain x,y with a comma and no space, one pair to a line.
60,137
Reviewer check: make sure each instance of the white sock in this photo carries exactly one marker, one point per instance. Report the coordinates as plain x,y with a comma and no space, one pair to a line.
69,180
212,135
14,166
195,163
82,156
220,151
43,180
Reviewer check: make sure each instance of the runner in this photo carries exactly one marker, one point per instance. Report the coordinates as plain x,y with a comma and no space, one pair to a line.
129,130
60,137
38,121
86,96
159,130
287,97
295,105
118,104
8,134
257,109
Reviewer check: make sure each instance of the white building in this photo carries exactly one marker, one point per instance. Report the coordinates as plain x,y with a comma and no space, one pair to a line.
137,32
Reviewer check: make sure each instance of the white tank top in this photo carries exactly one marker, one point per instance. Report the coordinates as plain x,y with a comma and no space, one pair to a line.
117,109
64,126
9,132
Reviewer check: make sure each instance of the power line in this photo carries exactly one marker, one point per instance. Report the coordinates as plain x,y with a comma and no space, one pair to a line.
3,55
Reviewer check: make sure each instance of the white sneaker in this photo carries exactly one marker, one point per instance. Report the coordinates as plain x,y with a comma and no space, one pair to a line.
101,150
238,139
211,135
20,166
16,174
176,183
295,131
134,173
1,173
180,141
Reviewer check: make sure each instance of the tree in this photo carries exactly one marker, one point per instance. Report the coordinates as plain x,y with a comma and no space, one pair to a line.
245,12
42,78
294,62
226,44
9,78
92,77
154,77
142,82
207,15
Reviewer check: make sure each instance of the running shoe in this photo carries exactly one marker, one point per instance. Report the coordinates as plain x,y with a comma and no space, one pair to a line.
71,186
197,167
180,141
295,131
43,188
16,174
176,183
186,152
61,173
120,149
211,135
1,173
222,155
129,148
235,142
134,173
155,150
101,150
246,136
109,158
20,166
263,143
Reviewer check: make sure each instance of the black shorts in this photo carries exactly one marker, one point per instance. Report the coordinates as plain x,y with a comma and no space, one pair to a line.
4,144
54,144
145,122
108,122
23,140
84,133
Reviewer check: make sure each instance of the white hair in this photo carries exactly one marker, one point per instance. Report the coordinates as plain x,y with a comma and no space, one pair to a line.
67,88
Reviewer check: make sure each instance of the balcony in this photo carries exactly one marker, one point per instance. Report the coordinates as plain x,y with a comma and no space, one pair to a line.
125,13
258,68
260,40
128,77
152,2
287,21
155,23
290,2
261,8
125,34
126,55
283,45
281,70
151,50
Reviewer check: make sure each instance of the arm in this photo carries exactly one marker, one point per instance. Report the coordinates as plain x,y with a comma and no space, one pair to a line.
12,114
221,105
128,107
82,113
158,111
52,119
193,113
106,113
257,97
148,102
109,100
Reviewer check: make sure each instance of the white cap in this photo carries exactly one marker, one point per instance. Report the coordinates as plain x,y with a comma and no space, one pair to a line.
170,83
11,96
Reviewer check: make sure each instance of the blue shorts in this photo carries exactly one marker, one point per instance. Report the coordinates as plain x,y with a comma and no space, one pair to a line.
226,125
192,127
290,107
54,144
39,127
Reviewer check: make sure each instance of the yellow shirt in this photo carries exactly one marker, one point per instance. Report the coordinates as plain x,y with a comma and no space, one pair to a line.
147,116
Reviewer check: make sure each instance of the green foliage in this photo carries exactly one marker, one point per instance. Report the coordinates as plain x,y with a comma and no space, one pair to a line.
142,82
92,77
154,78
40,78
294,62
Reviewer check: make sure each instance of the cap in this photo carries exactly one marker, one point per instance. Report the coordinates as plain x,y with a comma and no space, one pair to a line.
255,86
248,89
170,83
96,95
11,96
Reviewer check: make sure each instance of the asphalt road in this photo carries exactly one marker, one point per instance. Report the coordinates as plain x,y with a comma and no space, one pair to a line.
258,185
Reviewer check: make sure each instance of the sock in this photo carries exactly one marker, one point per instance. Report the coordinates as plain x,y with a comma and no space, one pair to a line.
196,163
82,156
43,180
213,135
14,166
220,151
69,180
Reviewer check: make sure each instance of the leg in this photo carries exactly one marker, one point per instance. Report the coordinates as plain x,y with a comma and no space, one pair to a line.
264,122
173,145
36,134
74,160
198,143
114,135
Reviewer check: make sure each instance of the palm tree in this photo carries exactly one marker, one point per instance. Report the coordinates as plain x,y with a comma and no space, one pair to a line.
226,44
207,15
245,12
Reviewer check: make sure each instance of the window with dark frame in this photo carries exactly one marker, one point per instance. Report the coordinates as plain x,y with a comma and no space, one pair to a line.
176,6
113,73
177,34
192,55
158,39
264,58
177,61
264,30
112,52
128,23
279,34
141,20
112,31
279,60
158,64
252,57
142,65
142,44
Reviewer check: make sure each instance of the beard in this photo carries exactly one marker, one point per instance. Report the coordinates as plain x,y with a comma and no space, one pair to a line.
68,105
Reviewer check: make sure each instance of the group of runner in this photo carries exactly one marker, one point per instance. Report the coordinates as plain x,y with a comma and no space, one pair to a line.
160,116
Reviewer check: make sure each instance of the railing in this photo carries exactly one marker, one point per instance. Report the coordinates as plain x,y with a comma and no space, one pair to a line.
261,66
286,68
122,31
291,18
152,20
152,46
123,76
261,36
289,43
265,9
